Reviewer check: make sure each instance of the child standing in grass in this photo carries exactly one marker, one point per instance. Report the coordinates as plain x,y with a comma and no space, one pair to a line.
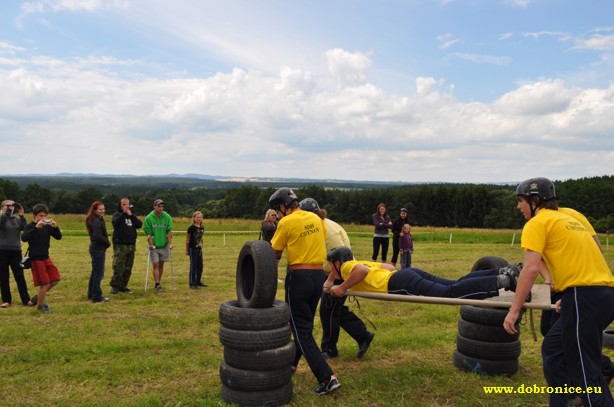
194,249
406,246
38,234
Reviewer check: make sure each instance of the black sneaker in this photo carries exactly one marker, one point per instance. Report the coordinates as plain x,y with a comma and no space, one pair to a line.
102,299
126,290
115,291
202,285
511,272
44,308
364,346
327,386
159,288
329,354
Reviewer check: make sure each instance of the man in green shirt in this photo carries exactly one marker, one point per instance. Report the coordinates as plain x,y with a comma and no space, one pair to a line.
158,226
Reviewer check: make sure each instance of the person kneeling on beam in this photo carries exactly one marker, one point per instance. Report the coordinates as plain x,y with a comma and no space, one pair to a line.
376,277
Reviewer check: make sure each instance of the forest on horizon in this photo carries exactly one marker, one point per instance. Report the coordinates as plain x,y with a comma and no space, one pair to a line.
439,205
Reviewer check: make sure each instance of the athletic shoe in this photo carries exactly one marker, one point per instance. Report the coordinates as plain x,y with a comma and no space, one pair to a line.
329,355
511,272
364,346
5,304
115,291
103,299
202,285
44,308
126,290
159,288
327,386
193,287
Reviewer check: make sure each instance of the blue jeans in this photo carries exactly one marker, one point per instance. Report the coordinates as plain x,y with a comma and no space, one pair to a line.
94,292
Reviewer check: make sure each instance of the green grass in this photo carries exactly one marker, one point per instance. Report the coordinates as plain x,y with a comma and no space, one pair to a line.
162,349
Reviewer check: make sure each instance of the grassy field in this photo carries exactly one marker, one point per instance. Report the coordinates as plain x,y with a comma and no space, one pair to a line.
162,349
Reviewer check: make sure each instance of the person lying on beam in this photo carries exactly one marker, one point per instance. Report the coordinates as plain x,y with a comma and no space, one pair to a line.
383,278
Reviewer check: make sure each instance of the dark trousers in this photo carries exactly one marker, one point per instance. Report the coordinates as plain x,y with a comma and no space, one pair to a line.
334,314
123,260
377,242
94,292
406,259
196,265
412,281
12,259
395,249
303,291
571,350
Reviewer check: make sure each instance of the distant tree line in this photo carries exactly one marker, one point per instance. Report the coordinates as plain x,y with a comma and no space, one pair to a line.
441,205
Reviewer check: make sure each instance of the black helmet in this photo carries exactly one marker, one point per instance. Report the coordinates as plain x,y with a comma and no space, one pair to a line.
282,196
340,254
309,204
542,187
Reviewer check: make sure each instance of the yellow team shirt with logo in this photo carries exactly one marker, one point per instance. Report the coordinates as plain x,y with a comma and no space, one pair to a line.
375,281
303,235
568,249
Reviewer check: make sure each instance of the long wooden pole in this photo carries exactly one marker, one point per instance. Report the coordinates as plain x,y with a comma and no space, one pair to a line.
444,300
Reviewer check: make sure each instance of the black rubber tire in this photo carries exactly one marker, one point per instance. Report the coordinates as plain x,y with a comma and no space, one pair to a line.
489,262
233,316
255,340
268,359
484,316
485,333
608,338
267,398
488,350
485,367
256,275
254,380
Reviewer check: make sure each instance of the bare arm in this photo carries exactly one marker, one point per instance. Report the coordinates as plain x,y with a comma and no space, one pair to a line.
359,272
530,270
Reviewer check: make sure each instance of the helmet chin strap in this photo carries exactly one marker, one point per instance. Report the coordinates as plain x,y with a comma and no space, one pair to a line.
533,207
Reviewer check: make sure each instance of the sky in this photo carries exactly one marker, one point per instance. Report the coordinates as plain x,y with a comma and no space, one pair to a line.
474,91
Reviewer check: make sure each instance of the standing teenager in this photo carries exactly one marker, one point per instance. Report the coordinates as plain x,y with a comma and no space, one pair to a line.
99,243
556,241
158,226
303,234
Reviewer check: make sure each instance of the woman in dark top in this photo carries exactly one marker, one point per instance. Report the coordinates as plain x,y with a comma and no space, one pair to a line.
381,237
99,243
397,232
269,225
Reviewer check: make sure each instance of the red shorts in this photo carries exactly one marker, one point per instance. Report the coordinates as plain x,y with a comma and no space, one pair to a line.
44,272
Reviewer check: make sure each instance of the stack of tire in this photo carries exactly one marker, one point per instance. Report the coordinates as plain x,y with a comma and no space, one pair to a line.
255,332
482,345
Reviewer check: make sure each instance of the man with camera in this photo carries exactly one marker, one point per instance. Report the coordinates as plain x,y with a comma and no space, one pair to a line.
125,225
12,222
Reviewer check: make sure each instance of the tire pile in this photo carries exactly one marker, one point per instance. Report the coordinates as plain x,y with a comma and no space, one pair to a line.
255,332
482,345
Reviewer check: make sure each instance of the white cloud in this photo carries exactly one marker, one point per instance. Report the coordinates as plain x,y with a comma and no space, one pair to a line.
447,40
482,59
86,115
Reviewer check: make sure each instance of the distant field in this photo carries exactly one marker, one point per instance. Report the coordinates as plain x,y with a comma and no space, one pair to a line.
162,349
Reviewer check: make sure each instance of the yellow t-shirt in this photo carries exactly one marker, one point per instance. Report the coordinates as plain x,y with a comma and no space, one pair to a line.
580,218
303,235
375,281
568,249
336,236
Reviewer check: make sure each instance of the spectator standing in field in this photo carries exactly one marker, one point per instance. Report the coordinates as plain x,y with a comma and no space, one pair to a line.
12,222
397,232
99,243
38,234
125,225
269,225
571,350
334,314
194,249
406,246
381,237
303,235
158,226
